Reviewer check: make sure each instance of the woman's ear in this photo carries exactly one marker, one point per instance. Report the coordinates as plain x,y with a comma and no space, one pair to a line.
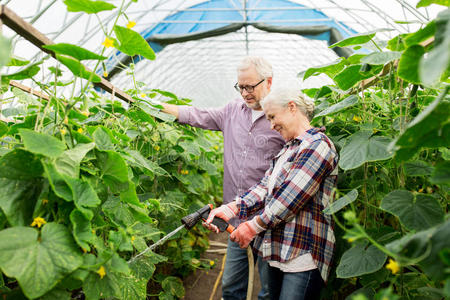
292,106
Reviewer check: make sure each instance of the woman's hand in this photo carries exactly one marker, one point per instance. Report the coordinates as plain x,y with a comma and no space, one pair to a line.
225,212
246,232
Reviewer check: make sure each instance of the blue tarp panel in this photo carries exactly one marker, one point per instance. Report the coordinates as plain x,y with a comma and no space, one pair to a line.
299,17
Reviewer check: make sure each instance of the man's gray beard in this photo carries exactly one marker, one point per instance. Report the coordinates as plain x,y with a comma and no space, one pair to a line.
255,106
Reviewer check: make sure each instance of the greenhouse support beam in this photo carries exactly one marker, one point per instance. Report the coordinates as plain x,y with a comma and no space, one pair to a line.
26,30
28,90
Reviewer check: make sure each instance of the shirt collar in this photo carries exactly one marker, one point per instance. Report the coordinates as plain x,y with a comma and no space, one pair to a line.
298,139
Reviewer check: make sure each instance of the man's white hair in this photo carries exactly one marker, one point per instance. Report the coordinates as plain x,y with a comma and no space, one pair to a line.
262,66
281,96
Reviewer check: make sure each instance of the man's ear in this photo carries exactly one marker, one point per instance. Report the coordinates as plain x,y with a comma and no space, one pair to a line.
269,82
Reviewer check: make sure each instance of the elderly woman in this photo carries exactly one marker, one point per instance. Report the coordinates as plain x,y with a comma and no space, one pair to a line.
290,230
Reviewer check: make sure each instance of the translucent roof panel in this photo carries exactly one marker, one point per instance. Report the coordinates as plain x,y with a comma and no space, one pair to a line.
204,70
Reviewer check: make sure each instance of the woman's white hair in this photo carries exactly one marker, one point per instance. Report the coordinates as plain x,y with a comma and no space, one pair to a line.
281,96
262,66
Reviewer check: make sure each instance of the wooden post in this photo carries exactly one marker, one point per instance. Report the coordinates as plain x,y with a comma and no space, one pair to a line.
38,39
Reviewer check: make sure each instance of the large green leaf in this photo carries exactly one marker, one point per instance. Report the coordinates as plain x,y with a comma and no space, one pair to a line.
412,245
423,3
28,72
82,230
41,143
88,6
113,167
418,168
173,285
133,288
415,211
341,202
20,164
19,185
441,173
348,77
68,163
136,158
74,51
132,43
429,120
433,265
18,199
408,66
362,147
437,63
58,182
17,62
420,35
381,58
83,193
3,128
38,262
102,139
77,68
100,288
5,51
347,102
359,260
330,69
118,212
355,40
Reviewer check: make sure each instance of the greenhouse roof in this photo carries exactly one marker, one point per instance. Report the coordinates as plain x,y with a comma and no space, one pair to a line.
199,43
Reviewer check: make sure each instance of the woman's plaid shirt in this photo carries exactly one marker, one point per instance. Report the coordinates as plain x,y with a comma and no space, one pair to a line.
293,212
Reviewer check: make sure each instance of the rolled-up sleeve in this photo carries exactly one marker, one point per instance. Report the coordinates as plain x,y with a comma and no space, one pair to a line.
206,118
253,200
304,177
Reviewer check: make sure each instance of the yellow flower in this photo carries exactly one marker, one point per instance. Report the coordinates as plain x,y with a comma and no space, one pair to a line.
374,130
216,147
184,172
393,266
105,74
331,120
66,120
101,272
132,238
63,131
131,24
356,119
142,95
93,231
351,240
211,263
157,148
85,113
44,201
80,130
108,43
38,222
421,190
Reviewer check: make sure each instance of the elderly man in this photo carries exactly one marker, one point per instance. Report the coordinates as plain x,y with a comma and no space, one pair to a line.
249,146
291,231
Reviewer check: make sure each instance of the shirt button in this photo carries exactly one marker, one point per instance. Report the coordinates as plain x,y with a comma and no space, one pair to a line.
245,152
240,171
249,133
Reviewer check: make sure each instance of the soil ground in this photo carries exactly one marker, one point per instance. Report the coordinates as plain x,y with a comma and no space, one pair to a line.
200,285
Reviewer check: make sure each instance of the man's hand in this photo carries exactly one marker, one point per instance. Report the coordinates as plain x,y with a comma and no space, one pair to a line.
225,212
246,232
170,109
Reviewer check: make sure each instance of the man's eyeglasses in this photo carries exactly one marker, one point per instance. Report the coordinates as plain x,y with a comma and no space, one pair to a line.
248,88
